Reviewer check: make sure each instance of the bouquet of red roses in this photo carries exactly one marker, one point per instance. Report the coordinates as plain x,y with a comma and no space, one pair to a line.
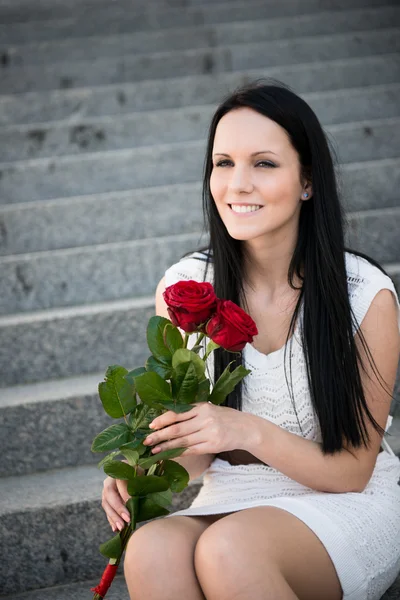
173,378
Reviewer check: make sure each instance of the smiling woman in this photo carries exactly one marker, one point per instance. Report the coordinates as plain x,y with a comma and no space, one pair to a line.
305,502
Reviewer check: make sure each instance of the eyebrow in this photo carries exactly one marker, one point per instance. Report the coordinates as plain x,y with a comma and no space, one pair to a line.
254,153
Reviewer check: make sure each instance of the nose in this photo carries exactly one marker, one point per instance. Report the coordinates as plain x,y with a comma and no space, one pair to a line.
240,180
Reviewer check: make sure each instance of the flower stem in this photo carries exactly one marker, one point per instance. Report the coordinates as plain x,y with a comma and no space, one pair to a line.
186,339
200,338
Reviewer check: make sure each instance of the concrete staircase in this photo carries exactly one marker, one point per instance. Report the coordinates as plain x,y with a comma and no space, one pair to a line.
104,112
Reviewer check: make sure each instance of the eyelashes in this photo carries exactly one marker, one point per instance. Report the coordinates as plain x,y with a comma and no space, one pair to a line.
221,163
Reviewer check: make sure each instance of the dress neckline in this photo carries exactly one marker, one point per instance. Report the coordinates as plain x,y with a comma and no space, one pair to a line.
274,356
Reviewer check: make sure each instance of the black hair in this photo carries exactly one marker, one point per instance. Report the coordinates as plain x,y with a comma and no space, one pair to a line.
318,261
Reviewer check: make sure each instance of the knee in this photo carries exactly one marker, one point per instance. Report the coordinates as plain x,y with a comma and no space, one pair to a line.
217,549
142,555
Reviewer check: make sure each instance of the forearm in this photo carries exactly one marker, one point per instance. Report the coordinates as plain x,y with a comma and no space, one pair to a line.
301,459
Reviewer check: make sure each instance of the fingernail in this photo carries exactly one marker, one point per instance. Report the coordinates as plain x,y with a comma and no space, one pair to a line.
120,526
113,528
152,426
126,517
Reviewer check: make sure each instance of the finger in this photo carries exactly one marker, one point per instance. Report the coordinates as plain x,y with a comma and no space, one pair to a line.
170,417
186,441
117,524
113,499
172,432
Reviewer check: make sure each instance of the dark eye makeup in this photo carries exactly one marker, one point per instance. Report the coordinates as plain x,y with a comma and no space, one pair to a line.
260,162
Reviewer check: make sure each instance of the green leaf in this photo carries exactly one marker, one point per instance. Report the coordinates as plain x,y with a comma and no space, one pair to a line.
184,382
107,458
172,337
211,346
155,339
147,484
112,548
185,355
111,438
149,509
116,393
163,370
131,456
203,391
152,388
146,463
142,417
119,470
162,498
134,373
176,475
132,504
226,383
177,408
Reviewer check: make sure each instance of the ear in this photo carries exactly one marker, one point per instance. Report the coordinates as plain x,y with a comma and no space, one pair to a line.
308,190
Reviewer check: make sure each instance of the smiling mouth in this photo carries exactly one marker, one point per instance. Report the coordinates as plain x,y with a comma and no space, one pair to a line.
245,210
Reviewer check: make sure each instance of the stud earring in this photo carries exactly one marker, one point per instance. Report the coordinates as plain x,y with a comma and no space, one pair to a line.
305,195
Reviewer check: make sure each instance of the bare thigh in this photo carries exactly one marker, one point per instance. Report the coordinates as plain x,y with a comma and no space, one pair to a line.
165,547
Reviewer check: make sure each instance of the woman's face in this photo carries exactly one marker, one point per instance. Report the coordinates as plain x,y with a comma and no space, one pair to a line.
254,163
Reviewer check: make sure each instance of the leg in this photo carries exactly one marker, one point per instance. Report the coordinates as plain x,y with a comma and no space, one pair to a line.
264,552
165,547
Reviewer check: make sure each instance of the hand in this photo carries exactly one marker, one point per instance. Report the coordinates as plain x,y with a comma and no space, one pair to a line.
205,429
114,496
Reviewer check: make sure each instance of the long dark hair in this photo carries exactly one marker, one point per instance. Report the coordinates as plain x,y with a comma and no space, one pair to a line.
318,261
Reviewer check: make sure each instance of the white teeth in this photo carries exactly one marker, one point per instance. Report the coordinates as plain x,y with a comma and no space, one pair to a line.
242,208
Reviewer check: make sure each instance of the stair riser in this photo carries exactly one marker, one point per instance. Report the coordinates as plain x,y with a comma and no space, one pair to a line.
130,68
114,20
65,224
193,90
85,49
94,274
90,275
178,125
59,544
122,170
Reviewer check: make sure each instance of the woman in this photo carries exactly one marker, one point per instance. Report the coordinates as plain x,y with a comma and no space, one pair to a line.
300,499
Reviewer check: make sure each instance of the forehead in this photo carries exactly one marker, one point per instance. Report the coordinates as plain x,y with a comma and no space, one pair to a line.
245,130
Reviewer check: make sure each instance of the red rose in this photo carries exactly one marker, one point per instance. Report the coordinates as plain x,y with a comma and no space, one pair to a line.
190,304
231,327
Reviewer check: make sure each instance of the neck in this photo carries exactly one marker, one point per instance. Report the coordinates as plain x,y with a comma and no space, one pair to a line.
266,264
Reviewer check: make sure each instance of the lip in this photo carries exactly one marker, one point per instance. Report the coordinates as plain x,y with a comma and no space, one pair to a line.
244,214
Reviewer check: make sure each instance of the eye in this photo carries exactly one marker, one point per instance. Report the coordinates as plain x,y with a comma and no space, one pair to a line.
222,163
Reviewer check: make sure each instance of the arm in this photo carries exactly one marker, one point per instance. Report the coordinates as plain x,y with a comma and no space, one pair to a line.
194,465
350,469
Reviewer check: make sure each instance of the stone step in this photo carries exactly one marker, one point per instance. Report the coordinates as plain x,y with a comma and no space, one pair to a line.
51,526
67,222
75,105
101,273
67,342
109,20
119,591
117,170
199,61
19,142
93,274
92,48
52,418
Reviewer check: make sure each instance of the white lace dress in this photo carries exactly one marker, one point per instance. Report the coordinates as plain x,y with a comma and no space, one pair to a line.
361,531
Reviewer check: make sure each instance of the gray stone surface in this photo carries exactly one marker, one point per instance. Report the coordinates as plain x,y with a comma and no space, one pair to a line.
126,68
86,48
127,269
55,537
73,341
36,25
20,142
68,222
98,172
76,104
90,274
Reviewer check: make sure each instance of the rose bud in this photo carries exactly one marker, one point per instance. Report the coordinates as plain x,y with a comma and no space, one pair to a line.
231,327
190,304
